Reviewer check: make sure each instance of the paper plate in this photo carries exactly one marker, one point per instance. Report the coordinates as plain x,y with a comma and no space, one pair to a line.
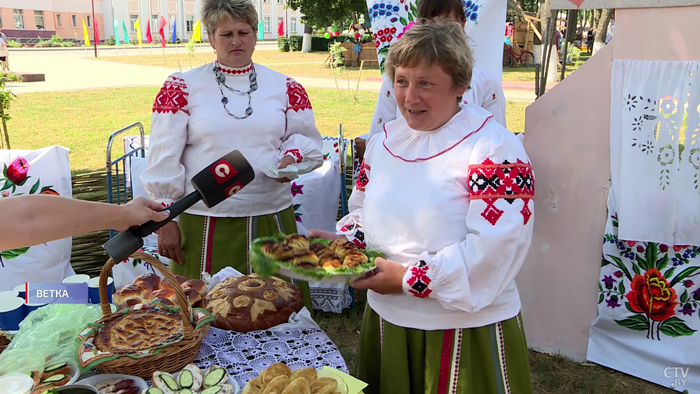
336,278
342,386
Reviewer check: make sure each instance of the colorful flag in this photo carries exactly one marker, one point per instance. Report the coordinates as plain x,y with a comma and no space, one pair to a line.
116,32
97,35
261,31
126,33
197,35
137,25
86,37
149,36
280,29
173,39
161,30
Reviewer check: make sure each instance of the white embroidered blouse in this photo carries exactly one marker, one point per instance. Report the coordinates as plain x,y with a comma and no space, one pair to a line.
485,91
190,129
455,206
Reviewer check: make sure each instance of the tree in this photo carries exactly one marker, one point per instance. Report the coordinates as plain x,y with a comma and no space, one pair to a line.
324,13
602,29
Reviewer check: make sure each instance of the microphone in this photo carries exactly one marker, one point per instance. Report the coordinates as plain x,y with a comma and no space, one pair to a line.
219,181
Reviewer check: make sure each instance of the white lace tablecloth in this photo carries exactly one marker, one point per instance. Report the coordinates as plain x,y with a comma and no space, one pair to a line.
245,355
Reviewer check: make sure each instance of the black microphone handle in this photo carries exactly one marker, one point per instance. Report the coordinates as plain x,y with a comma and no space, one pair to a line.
147,228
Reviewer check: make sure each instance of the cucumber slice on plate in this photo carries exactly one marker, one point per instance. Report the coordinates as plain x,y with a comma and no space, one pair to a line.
186,380
211,390
153,390
169,382
186,391
214,376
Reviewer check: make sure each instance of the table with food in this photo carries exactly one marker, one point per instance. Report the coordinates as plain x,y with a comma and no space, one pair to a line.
167,334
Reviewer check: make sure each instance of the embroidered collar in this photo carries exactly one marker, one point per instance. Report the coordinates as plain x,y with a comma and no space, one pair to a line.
235,71
411,145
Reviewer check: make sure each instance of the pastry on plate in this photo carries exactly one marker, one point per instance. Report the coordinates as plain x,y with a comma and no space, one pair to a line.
353,259
297,242
305,259
276,251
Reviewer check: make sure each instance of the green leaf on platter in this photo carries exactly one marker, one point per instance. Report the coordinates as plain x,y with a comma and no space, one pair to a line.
669,273
652,254
14,253
604,262
600,286
601,298
403,21
384,51
642,263
629,308
635,268
35,187
662,262
684,274
636,323
675,327
684,296
266,267
621,266
621,288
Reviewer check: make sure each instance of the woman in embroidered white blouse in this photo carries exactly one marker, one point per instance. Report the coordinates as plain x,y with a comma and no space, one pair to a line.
446,194
201,115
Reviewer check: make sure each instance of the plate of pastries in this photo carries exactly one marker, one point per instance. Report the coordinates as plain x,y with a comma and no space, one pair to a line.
299,257
151,287
279,378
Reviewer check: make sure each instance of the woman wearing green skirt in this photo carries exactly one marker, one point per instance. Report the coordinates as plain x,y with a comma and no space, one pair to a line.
201,115
446,194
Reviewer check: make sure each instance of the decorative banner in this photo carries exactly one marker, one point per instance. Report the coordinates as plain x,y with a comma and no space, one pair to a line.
617,4
648,319
485,26
57,293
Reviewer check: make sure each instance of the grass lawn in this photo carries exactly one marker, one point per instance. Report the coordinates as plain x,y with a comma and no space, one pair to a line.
294,64
83,120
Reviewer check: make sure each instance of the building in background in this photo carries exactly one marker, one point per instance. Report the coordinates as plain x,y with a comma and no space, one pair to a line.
44,18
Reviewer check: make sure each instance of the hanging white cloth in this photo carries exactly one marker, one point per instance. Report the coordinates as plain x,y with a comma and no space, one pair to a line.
655,155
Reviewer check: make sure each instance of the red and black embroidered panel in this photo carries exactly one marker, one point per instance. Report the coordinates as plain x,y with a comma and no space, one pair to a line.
297,96
362,177
508,181
294,152
418,281
172,97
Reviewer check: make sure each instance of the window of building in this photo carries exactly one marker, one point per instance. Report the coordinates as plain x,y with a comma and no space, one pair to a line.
266,24
154,23
74,20
277,26
19,19
266,1
59,22
132,22
89,20
293,25
189,24
39,19
280,1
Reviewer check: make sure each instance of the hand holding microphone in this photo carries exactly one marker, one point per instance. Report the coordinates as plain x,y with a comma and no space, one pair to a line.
219,181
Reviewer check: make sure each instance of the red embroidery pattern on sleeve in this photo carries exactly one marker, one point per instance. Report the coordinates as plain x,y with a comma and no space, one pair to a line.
172,97
419,282
294,152
362,177
166,205
297,96
508,181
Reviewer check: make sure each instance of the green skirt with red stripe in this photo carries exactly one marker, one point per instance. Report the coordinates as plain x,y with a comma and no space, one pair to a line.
210,244
484,360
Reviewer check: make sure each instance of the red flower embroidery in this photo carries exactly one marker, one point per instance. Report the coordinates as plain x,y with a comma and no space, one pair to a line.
508,181
164,205
362,177
17,171
296,189
294,152
297,96
172,97
419,281
652,295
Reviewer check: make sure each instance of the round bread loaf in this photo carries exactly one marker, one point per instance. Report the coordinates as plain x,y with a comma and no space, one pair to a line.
249,302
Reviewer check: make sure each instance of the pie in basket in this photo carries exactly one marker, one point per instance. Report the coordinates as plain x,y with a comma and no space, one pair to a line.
150,287
140,330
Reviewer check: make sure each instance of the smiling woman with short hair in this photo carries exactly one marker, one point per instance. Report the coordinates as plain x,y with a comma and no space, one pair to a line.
205,113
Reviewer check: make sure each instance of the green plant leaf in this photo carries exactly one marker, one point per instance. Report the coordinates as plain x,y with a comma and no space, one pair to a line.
381,66
614,223
410,17
4,170
600,286
684,274
601,298
642,263
403,21
35,187
621,266
45,188
384,51
635,268
621,288
7,185
23,181
414,9
629,308
604,262
636,323
652,254
662,262
669,273
675,327
14,253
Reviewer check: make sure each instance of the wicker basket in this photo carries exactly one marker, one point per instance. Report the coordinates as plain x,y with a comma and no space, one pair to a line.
172,358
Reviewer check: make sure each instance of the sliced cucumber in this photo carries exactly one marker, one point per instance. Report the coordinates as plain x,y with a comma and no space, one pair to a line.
186,391
153,390
54,367
169,382
211,390
186,379
214,377
54,378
